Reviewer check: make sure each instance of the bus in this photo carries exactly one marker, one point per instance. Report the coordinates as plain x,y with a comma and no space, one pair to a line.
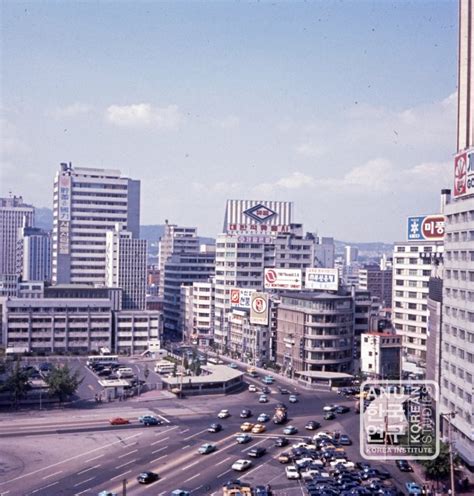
164,367
101,360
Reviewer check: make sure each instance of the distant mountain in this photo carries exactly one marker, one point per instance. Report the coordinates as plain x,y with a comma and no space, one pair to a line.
44,218
152,233
374,247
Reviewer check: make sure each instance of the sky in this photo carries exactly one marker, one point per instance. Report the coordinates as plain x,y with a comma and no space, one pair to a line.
346,108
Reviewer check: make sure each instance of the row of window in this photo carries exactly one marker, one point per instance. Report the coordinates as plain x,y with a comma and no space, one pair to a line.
460,294
459,313
462,275
455,237
462,255
459,333
414,249
458,371
410,294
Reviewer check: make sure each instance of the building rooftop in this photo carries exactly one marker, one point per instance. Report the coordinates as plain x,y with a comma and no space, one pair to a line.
216,373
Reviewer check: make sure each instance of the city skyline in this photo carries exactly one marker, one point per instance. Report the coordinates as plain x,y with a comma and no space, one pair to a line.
205,102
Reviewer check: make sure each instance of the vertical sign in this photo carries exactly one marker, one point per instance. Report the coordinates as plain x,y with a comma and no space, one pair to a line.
259,308
64,214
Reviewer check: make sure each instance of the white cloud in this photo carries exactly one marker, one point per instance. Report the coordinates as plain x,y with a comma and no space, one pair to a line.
229,122
295,181
145,115
310,150
73,110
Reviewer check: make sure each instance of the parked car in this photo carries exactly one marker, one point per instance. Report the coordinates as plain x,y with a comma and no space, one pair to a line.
119,421
345,440
292,472
223,414
257,452
147,477
284,458
206,449
413,488
214,428
233,365
241,465
243,438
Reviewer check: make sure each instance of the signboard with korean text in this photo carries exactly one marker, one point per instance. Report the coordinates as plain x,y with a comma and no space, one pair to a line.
289,279
259,308
320,278
464,174
241,297
64,214
426,228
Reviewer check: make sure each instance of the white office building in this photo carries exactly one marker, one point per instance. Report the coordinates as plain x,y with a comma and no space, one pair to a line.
88,203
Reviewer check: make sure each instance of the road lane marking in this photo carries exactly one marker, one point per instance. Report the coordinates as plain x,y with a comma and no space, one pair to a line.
223,461
126,454
82,492
52,475
159,441
184,432
197,488
191,465
164,419
83,482
96,458
126,463
121,475
158,450
159,433
193,435
88,469
71,458
45,487
187,446
253,446
191,478
223,473
159,458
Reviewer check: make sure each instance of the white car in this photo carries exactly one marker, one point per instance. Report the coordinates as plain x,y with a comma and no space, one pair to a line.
309,473
329,408
252,388
223,414
292,398
263,417
292,472
241,465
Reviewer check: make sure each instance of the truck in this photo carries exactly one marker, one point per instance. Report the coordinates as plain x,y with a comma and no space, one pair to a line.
280,416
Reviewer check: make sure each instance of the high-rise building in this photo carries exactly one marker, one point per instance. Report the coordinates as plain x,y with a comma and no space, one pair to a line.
457,336
175,239
379,282
33,254
324,252
351,254
126,267
88,203
14,214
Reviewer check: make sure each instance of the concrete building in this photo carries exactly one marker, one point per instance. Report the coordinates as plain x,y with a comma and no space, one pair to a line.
378,282
315,333
413,262
136,330
14,214
324,252
351,254
126,267
203,312
381,355
8,284
33,254
175,240
87,203
434,332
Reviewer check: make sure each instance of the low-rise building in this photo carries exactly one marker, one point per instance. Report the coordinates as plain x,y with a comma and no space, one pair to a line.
136,329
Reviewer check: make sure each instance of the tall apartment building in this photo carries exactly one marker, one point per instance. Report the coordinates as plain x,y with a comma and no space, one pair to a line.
457,338
14,214
126,267
33,254
351,254
203,312
241,259
87,203
379,282
175,239
324,252
413,262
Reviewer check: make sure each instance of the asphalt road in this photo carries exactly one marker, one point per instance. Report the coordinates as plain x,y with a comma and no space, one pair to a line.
98,456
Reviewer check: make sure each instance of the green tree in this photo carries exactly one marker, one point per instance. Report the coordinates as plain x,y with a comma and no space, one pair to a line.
197,368
63,382
17,384
438,468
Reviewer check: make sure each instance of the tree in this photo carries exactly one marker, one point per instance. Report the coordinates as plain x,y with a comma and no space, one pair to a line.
439,468
197,368
175,369
146,372
185,363
17,384
63,382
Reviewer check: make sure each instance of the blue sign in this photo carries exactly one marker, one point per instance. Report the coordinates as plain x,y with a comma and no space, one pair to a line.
414,228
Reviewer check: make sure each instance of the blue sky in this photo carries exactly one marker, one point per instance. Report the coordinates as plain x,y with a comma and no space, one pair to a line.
346,108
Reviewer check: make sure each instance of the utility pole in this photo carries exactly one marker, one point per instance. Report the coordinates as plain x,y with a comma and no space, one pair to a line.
124,487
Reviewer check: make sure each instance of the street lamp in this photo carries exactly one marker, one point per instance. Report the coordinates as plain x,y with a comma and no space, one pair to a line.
449,416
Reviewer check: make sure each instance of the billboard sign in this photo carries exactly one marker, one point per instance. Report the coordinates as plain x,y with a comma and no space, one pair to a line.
464,174
320,278
426,228
283,279
64,214
241,297
259,308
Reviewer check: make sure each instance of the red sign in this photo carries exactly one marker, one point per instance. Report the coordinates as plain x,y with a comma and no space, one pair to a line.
271,276
234,296
460,174
432,227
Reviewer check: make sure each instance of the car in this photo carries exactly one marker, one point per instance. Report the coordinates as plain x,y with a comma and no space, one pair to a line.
263,398
292,472
243,438
118,421
45,367
147,477
281,441
312,425
413,488
293,399
252,388
146,418
223,414
257,452
233,366
245,413
342,409
246,427
107,493
214,428
258,428
206,449
180,492
104,373
329,408
263,490
241,465
329,416
283,391
266,390
263,417
284,458
403,466
345,440
152,421
290,430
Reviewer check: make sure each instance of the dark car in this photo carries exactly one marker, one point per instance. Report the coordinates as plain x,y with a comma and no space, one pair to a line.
214,428
263,491
46,367
104,373
266,390
284,391
342,409
403,466
345,440
329,416
245,413
151,421
312,425
147,477
257,452
281,441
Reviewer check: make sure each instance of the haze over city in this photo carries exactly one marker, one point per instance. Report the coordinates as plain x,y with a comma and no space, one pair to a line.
347,109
